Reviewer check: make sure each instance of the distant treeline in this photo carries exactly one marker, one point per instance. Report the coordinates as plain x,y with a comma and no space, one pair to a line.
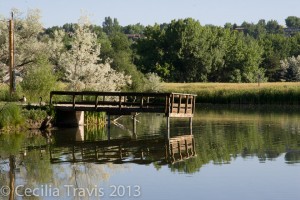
186,51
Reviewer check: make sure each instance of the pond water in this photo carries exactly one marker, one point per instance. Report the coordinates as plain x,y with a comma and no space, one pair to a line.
233,153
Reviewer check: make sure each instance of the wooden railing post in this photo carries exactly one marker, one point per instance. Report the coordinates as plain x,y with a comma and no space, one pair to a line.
73,101
186,103
167,105
96,101
194,104
172,103
120,102
179,104
142,101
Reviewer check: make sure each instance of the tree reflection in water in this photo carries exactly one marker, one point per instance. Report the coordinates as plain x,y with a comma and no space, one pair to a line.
220,136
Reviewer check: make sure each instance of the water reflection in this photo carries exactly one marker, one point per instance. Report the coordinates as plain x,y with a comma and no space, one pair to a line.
145,149
85,157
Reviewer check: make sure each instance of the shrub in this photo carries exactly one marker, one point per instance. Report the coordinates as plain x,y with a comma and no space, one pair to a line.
38,81
152,83
35,115
10,115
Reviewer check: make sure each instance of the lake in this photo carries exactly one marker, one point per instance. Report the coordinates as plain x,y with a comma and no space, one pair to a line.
230,153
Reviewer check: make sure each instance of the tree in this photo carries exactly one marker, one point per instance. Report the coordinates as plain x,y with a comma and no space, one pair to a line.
84,69
134,29
149,52
184,50
152,83
28,43
273,27
39,80
290,69
292,22
111,26
242,59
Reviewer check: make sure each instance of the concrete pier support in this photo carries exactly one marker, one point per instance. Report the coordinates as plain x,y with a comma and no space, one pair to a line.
69,119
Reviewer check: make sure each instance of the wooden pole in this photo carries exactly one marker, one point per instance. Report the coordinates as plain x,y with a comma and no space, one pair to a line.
134,126
11,54
168,128
108,126
191,125
12,167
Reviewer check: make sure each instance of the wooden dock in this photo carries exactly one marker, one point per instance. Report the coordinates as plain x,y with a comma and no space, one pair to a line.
125,103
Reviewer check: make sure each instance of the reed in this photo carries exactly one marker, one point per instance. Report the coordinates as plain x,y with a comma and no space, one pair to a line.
10,116
240,93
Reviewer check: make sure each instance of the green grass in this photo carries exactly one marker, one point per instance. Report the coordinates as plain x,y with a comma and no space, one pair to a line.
10,115
240,93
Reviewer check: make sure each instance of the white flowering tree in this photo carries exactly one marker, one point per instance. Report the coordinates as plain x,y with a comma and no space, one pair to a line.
28,44
84,70
290,69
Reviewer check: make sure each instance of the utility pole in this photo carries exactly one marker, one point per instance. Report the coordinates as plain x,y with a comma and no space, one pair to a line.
11,54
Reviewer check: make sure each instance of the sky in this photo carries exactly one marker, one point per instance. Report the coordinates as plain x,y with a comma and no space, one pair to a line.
149,12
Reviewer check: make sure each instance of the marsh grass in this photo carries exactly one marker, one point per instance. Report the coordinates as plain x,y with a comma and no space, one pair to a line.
95,119
10,115
240,93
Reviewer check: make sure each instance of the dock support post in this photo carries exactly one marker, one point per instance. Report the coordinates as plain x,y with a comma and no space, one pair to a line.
134,125
168,127
191,125
108,126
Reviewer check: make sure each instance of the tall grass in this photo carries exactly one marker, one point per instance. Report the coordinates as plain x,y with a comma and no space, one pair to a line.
240,93
10,115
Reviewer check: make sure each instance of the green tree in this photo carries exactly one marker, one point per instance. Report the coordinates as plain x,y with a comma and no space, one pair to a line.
292,22
242,59
185,50
111,26
273,27
149,52
133,29
39,80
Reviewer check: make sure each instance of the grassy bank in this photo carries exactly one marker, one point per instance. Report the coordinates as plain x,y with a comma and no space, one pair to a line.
13,117
240,93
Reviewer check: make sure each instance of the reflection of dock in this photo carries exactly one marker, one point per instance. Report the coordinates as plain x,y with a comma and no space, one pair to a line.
181,147
140,151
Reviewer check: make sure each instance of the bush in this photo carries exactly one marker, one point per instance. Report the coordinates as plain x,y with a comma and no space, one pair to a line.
38,81
5,94
152,83
10,115
35,115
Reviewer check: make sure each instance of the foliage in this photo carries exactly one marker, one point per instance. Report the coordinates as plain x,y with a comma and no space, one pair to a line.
83,69
38,81
28,43
10,115
292,22
180,51
152,83
185,51
35,115
5,93
290,69
239,93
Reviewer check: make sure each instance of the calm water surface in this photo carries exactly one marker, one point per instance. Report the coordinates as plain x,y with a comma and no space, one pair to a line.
235,154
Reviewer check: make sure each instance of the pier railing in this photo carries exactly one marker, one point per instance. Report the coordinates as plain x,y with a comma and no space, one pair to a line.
125,103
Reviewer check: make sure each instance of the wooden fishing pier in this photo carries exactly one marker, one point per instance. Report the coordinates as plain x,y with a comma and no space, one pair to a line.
70,106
